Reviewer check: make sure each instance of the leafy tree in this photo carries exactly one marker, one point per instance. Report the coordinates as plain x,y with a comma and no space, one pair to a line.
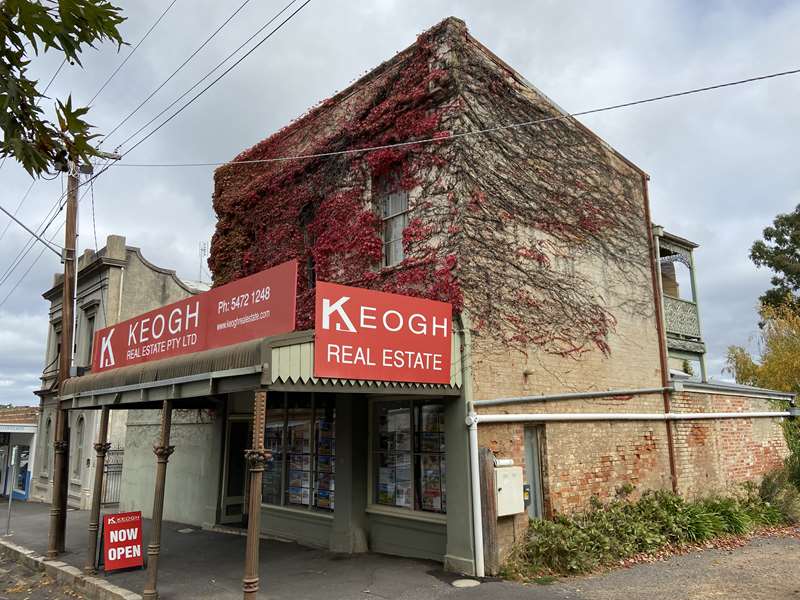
33,27
780,251
778,365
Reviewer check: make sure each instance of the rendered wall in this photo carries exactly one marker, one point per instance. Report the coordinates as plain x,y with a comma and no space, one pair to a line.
193,472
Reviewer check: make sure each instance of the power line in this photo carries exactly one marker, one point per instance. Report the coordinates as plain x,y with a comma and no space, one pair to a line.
207,75
175,114
28,246
132,52
28,270
176,71
16,210
39,256
21,255
29,230
464,134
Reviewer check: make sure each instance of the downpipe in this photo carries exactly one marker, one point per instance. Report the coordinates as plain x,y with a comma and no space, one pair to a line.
477,521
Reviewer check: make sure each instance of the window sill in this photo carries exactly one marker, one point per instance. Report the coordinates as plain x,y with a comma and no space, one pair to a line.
300,512
402,513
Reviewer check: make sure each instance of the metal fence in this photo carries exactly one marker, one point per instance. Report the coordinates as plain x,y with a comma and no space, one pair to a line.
112,476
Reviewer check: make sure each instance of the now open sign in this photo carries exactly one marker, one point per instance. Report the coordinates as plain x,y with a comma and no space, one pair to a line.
122,541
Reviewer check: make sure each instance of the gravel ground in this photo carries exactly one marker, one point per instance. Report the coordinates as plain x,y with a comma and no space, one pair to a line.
764,569
20,583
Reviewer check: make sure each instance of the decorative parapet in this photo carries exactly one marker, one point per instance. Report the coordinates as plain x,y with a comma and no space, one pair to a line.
681,317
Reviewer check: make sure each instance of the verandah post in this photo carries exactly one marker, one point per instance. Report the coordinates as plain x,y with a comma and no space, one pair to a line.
257,458
162,451
101,447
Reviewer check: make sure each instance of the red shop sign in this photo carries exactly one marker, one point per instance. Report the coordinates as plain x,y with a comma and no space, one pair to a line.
256,306
364,334
122,541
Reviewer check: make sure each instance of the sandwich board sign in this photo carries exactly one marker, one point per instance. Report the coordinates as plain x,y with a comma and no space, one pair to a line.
122,541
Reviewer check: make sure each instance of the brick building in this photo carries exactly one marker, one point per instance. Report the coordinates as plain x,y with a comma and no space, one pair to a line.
538,234
622,269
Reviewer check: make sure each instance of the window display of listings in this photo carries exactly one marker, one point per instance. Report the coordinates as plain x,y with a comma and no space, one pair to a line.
301,434
409,456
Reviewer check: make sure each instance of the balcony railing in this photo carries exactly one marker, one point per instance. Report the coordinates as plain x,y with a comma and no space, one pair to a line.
681,317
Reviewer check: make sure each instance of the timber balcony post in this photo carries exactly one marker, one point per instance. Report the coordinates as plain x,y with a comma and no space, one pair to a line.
101,447
257,458
162,451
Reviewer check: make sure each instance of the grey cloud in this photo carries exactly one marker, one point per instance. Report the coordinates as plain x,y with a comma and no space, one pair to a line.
722,164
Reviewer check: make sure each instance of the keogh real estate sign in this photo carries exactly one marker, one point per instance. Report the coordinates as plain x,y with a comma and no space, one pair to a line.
122,541
256,306
364,334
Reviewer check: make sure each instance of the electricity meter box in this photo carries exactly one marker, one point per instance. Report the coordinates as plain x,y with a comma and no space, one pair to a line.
508,490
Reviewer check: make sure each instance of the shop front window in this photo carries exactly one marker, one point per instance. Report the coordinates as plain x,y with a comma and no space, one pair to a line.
409,456
23,458
301,434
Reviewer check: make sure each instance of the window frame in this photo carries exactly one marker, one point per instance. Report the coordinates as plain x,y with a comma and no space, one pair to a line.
387,190
48,428
413,512
314,471
77,449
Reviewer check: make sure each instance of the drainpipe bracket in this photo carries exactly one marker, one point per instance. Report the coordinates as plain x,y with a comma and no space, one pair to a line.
471,419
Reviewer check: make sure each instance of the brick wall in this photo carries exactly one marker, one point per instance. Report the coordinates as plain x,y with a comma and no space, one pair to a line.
582,459
586,459
19,415
717,456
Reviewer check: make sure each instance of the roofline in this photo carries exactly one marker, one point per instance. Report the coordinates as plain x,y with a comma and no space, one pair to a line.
675,238
523,81
101,260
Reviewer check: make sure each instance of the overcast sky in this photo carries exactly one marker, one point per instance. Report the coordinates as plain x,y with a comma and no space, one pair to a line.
722,165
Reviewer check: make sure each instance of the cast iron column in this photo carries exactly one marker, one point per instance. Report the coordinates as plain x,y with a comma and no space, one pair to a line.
257,458
101,447
162,452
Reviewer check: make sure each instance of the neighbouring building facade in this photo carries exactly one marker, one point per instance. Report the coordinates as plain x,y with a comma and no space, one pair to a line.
114,283
18,434
539,236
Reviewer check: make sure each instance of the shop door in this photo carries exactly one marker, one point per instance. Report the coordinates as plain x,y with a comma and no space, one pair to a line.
235,477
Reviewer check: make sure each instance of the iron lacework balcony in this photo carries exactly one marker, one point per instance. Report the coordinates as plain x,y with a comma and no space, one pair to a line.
679,300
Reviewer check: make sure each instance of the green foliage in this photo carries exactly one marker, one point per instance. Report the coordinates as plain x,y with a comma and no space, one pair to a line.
778,251
67,27
620,529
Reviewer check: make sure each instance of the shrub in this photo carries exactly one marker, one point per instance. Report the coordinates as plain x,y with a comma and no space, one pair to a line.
620,529
780,492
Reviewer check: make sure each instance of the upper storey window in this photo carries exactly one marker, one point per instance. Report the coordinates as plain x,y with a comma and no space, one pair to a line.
394,213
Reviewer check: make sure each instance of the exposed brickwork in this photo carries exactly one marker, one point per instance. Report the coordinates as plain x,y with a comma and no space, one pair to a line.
586,459
718,456
19,415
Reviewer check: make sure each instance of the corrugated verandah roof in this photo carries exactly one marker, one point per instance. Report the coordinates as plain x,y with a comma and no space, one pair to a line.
285,360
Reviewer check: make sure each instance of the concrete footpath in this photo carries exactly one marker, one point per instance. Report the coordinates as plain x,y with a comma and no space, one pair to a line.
201,565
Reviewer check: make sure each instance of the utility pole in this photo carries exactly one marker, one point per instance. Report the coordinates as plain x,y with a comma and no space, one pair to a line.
58,510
